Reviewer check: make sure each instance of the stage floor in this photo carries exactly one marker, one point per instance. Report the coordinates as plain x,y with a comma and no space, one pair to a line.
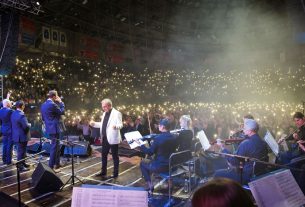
129,175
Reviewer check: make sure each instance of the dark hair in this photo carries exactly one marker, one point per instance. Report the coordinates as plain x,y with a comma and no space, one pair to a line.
248,116
221,192
19,104
298,115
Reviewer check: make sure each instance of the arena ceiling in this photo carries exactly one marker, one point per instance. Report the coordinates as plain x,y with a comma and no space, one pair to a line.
140,22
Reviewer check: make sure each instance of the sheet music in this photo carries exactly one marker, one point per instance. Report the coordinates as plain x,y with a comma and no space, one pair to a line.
96,197
203,140
277,190
272,143
132,136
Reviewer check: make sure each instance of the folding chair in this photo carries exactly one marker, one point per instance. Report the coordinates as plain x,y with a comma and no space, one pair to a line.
175,160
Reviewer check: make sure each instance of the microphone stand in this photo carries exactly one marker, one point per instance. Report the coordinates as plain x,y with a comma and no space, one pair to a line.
73,176
244,159
18,173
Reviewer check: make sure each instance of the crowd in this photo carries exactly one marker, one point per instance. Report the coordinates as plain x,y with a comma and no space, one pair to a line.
213,99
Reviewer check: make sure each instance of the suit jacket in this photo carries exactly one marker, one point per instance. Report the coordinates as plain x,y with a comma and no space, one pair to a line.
5,121
20,126
115,119
185,139
162,147
51,116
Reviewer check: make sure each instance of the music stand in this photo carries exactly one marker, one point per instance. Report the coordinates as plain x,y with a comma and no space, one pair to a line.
73,176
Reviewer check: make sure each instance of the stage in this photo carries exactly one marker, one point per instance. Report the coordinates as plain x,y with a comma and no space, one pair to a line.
85,170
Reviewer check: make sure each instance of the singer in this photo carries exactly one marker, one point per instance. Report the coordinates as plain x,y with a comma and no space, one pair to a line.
51,111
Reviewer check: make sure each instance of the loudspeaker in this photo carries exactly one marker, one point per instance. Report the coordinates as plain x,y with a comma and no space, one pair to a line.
83,149
45,180
7,200
34,148
47,147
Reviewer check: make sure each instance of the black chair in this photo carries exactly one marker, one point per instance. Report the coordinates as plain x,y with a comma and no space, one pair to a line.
175,160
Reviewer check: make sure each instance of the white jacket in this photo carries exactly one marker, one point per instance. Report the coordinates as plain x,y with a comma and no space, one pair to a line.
113,126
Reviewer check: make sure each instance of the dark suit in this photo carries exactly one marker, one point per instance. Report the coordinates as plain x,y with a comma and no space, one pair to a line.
6,130
51,116
185,138
163,146
20,129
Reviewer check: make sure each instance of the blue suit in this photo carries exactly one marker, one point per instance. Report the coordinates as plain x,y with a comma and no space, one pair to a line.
20,132
51,116
6,130
163,146
253,147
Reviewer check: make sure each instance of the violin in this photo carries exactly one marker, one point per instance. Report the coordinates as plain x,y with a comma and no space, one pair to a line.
229,141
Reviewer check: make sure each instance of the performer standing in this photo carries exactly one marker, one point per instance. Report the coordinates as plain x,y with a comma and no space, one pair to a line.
20,131
6,130
51,111
110,125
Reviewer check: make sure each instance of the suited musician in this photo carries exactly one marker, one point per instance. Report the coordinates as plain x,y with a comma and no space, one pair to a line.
110,125
6,130
185,136
253,147
20,133
162,147
51,111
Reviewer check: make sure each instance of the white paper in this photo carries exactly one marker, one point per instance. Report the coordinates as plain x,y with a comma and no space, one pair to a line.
96,197
203,140
132,136
272,143
277,190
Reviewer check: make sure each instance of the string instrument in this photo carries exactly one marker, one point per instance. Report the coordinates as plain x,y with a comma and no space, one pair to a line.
291,134
229,141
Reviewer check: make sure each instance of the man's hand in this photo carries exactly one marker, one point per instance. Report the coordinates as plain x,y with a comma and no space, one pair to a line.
301,144
91,123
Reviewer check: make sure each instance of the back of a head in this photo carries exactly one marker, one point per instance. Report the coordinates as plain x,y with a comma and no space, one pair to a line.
6,103
52,93
19,104
221,192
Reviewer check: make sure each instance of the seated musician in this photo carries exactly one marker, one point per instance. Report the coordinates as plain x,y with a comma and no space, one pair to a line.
162,147
253,147
185,133
297,149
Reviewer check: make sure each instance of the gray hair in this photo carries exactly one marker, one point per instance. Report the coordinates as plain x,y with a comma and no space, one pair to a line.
107,101
6,103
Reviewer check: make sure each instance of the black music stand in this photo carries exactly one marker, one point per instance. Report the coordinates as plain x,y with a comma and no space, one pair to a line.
73,176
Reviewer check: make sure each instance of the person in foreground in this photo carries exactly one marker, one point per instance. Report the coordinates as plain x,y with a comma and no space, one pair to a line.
221,192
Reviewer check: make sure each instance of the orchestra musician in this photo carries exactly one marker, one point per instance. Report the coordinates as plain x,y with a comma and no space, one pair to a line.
298,137
185,134
163,146
253,147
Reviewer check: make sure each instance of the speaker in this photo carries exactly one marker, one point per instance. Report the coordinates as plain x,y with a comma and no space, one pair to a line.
7,200
45,180
47,147
34,148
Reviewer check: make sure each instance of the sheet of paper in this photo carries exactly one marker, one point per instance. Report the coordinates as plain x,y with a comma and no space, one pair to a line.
132,136
272,143
203,140
277,190
96,197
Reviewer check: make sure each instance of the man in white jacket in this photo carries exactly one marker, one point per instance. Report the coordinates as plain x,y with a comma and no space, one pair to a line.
110,125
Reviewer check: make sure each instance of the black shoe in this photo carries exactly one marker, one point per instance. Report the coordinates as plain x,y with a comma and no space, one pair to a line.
23,169
100,174
26,165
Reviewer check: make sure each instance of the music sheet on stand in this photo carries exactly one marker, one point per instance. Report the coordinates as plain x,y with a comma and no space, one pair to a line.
277,190
94,197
